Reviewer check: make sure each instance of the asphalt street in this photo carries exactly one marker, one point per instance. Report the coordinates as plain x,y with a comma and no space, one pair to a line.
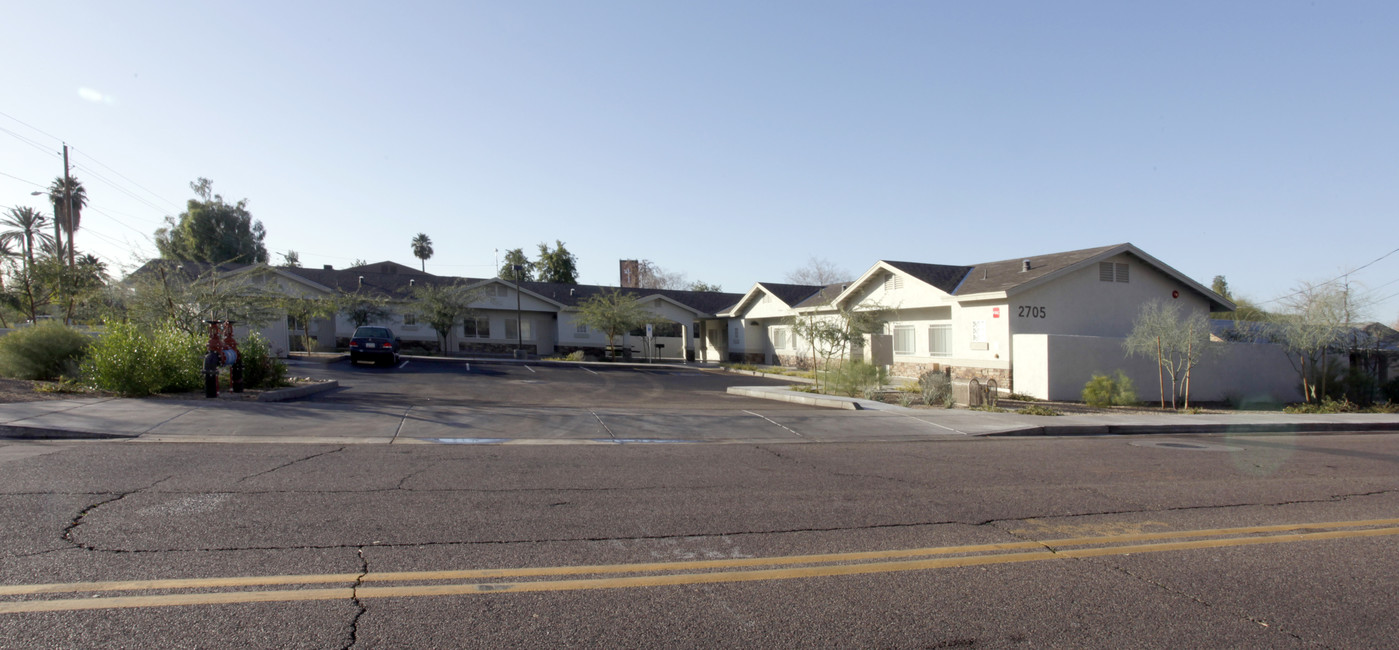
945,541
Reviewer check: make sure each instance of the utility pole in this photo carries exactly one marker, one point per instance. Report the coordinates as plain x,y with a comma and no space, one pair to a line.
68,206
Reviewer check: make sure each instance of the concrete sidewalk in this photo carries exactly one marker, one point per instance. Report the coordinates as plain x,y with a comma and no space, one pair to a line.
981,423
159,420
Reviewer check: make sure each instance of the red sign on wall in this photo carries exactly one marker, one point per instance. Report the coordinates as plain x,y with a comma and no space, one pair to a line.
995,312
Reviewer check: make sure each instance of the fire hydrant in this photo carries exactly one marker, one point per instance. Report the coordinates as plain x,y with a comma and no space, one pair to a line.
223,351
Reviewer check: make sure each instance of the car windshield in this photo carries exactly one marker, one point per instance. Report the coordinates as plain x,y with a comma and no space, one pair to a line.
371,332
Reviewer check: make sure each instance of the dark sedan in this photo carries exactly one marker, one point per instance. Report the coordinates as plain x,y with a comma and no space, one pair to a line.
377,344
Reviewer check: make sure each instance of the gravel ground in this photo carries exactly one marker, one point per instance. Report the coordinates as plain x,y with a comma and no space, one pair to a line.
23,390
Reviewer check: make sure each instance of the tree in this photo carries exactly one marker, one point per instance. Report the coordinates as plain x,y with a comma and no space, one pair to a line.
818,271
613,313
1178,340
517,267
1313,325
301,309
422,248
166,294
651,276
290,260
443,306
1221,287
700,285
557,266
830,335
361,308
68,197
26,226
213,231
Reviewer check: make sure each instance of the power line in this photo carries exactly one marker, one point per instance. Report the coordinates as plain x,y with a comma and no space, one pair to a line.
29,142
148,191
56,138
22,180
1341,276
119,188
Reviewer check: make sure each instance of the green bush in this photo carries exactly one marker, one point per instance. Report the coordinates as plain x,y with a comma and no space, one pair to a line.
1360,386
936,388
854,378
260,368
134,361
1103,390
1040,409
49,350
1390,390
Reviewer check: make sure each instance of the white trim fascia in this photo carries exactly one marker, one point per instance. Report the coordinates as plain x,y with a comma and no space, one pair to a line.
978,297
858,282
732,312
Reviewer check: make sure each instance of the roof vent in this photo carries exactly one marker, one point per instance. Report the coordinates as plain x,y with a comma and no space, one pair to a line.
410,282
843,287
329,267
361,280
1026,266
570,291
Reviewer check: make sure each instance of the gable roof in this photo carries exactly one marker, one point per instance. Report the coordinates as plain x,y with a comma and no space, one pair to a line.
941,276
1007,275
790,294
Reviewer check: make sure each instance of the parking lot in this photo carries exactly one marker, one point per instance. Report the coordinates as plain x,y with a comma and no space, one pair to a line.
471,402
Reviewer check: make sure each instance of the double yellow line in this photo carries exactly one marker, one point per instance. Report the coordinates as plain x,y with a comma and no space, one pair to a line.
207,591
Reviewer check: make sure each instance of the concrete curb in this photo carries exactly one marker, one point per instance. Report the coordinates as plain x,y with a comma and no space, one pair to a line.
1211,428
297,392
18,432
784,395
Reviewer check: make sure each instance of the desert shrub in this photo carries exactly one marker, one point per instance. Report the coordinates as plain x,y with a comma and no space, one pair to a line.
1360,386
135,361
1325,406
49,350
1390,390
1040,409
936,388
1103,390
260,368
856,378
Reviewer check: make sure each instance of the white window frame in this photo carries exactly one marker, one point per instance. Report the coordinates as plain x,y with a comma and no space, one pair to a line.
410,319
909,336
476,322
978,331
781,338
946,334
526,334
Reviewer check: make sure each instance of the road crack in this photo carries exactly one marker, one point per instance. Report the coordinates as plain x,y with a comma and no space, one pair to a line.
77,520
290,463
354,598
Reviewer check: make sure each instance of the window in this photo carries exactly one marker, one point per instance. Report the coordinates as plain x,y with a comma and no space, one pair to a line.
903,340
527,333
410,319
580,332
1112,272
477,328
940,341
501,291
780,338
978,331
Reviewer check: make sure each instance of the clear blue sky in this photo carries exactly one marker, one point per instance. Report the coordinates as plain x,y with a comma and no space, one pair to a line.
730,141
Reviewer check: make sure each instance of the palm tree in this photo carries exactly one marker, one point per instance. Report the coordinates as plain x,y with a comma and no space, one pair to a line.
77,198
25,224
422,248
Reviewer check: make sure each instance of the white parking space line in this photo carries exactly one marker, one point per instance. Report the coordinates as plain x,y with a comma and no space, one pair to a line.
586,370
529,369
777,423
405,362
468,367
